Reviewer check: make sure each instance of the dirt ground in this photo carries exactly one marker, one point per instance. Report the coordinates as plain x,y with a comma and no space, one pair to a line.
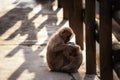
25,28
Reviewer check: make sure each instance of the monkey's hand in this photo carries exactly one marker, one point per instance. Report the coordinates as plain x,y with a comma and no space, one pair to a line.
73,47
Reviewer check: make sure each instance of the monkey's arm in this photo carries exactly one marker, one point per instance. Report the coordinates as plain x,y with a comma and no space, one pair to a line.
74,64
63,49
60,47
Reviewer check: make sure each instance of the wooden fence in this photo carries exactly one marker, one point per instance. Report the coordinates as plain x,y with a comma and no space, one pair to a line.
74,12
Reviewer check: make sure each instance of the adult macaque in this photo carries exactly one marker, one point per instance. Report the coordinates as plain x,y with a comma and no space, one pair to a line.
62,55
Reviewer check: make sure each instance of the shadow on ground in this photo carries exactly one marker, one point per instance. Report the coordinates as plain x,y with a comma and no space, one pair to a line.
33,61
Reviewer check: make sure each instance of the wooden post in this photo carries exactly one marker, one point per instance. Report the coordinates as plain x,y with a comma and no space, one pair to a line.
106,40
65,9
60,3
76,20
65,5
90,37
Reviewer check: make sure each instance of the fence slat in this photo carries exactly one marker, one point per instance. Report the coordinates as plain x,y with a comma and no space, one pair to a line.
105,40
76,20
90,37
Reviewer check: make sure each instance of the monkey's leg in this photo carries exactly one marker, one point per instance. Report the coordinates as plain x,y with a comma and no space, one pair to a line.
74,64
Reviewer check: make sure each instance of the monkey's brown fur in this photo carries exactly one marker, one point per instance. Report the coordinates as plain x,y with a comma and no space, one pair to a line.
63,55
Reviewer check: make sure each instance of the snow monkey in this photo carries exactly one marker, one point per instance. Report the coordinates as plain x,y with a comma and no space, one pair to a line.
62,55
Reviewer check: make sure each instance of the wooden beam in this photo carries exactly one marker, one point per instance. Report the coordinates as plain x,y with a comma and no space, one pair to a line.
65,9
106,40
65,5
76,20
90,37
60,3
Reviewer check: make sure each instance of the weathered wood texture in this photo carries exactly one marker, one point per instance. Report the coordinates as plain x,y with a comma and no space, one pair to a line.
76,20
60,2
105,40
90,37
65,4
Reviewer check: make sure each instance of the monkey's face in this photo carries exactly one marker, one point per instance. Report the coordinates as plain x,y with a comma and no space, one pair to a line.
66,36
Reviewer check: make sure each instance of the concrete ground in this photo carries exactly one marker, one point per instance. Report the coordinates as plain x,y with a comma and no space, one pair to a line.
25,28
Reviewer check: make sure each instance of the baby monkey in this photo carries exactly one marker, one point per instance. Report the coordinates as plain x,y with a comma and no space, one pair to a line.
62,55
